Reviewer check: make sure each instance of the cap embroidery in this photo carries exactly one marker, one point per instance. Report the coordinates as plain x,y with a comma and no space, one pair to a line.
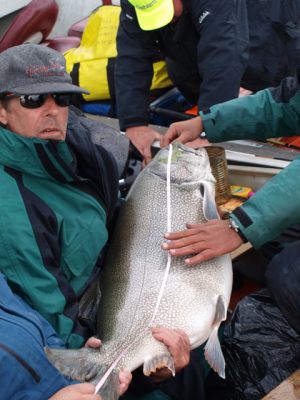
147,5
54,69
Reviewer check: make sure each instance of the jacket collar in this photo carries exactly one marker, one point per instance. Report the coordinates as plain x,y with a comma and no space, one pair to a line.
42,158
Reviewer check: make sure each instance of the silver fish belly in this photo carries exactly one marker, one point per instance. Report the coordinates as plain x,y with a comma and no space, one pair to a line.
194,299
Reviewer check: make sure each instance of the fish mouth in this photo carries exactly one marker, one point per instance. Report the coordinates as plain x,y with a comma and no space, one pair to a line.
182,147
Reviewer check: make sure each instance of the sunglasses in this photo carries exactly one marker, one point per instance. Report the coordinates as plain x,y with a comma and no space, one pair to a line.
37,100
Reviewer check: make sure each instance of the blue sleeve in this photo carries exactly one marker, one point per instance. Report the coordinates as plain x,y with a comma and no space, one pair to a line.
25,371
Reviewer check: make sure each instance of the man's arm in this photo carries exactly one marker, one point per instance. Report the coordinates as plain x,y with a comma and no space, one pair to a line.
273,208
269,113
260,219
133,71
133,76
222,49
272,112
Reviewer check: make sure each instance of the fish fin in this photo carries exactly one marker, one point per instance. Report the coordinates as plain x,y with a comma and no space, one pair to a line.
213,353
158,362
110,389
74,363
220,314
212,350
209,206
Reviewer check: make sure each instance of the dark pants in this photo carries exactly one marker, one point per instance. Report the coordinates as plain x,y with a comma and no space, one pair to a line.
283,282
283,273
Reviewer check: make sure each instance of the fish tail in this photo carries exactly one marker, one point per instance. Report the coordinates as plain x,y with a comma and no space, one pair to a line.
77,365
110,388
74,363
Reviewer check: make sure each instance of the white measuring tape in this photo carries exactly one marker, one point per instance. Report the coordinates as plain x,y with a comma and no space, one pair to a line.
164,282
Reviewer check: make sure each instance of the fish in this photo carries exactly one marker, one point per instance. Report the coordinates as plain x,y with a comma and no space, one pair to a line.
142,286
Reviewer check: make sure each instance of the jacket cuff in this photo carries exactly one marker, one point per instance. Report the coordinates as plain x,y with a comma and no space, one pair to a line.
210,129
129,123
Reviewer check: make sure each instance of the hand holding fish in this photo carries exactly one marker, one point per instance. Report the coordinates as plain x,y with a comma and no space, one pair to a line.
142,137
80,391
178,344
185,132
203,241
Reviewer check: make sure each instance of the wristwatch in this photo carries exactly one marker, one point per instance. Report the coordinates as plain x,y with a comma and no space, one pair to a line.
233,225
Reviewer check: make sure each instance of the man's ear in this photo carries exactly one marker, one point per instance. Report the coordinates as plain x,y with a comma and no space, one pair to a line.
3,115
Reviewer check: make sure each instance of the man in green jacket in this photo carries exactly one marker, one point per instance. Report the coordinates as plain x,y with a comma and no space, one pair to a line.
58,192
272,112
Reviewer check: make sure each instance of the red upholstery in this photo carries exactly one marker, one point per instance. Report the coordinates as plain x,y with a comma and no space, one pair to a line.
38,17
62,43
78,28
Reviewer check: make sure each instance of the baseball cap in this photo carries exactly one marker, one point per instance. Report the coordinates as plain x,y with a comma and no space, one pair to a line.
153,14
34,69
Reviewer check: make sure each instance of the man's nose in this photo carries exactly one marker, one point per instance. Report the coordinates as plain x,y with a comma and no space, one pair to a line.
50,106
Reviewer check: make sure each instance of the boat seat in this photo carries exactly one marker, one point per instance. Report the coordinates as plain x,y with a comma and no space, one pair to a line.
78,27
32,24
62,43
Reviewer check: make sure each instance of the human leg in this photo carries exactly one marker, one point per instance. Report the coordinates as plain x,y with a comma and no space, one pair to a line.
283,282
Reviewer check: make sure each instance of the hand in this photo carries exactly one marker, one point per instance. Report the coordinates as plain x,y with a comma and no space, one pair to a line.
244,92
93,343
178,345
143,137
184,132
124,376
124,379
203,241
80,391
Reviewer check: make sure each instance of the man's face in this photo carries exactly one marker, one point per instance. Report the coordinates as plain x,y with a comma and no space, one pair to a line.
178,8
46,122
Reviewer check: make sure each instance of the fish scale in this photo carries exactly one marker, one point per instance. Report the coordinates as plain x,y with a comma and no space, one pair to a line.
195,299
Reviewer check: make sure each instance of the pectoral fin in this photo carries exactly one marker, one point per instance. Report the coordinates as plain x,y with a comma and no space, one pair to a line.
209,206
158,362
212,351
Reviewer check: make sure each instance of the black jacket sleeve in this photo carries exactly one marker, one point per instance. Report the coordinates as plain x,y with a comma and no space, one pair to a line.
222,50
137,50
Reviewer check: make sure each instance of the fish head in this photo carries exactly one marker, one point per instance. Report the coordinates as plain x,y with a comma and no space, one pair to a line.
190,169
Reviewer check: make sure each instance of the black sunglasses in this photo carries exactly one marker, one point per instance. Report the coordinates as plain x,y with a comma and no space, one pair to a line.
37,100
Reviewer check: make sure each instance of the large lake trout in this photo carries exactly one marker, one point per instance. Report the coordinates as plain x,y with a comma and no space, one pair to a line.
142,286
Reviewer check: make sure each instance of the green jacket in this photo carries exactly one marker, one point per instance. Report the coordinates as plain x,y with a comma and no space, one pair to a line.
53,223
272,112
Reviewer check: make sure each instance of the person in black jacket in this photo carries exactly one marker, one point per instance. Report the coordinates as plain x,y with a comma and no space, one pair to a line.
211,49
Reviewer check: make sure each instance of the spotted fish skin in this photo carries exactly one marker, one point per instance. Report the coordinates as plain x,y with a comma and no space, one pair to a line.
195,298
